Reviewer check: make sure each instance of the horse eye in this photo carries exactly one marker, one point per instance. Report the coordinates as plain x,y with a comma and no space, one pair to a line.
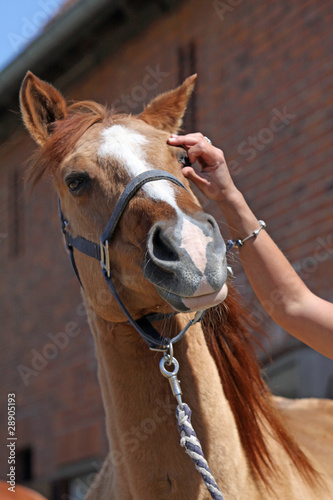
77,183
184,159
74,184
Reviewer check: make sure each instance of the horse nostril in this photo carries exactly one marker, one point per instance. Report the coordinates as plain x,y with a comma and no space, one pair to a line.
161,247
211,222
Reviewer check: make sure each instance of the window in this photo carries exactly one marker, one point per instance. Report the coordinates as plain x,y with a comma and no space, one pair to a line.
24,465
15,214
75,479
187,66
301,372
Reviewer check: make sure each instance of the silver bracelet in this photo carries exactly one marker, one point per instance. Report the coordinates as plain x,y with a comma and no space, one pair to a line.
239,243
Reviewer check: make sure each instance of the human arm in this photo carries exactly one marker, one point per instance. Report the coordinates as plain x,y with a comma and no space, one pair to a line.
280,290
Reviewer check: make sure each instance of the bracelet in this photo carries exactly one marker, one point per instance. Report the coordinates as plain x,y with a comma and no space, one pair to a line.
239,243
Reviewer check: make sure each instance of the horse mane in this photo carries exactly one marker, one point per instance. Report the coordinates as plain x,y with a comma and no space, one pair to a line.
64,134
232,347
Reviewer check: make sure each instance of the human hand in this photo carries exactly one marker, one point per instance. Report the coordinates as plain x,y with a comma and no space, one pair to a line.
213,179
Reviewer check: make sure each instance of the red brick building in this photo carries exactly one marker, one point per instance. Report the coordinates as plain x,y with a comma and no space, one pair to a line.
264,93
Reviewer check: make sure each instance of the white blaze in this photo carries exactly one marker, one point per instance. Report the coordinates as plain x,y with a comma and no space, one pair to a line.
195,242
126,146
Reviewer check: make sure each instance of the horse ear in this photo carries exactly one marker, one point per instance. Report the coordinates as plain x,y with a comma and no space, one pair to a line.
166,111
41,105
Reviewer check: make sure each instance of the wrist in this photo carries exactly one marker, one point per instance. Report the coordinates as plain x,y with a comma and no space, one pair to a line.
238,215
230,198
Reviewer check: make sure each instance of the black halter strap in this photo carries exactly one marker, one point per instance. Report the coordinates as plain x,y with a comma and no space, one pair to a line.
101,252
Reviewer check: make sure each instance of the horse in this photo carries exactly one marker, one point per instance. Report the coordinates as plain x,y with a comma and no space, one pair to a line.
162,259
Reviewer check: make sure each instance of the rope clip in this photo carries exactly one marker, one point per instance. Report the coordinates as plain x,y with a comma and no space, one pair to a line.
169,360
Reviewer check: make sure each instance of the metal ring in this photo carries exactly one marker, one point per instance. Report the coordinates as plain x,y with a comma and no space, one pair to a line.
165,372
208,140
169,356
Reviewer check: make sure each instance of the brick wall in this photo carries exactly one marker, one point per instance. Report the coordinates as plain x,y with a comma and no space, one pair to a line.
264,94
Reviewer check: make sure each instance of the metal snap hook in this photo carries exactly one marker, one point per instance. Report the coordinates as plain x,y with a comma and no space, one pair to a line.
171,361
172,377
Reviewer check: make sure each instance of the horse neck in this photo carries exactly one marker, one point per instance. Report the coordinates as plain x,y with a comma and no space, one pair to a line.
140,412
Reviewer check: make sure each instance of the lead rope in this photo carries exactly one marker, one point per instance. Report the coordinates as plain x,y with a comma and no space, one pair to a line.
193,448
188,437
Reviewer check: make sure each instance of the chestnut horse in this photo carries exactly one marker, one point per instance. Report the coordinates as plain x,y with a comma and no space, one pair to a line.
165,256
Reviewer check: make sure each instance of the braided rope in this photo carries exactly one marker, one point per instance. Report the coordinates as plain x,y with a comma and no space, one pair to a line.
193,448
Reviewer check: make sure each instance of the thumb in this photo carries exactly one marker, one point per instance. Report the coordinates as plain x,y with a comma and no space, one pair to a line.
206,187
195,177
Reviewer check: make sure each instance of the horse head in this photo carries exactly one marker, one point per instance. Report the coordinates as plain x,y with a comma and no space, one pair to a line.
166,253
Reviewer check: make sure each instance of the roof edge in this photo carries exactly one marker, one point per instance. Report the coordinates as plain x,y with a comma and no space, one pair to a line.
70,22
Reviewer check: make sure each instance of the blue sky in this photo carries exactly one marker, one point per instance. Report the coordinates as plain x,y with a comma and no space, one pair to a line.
20,22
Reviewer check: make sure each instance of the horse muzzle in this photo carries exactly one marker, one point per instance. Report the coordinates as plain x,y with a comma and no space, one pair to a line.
186,262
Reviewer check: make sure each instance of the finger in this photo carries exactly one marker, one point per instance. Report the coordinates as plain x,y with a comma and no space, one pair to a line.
205,186
187,140
194,176
198,150
207,155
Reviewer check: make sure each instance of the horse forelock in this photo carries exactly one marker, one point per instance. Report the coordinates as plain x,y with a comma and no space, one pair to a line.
122,140
228,330
64,135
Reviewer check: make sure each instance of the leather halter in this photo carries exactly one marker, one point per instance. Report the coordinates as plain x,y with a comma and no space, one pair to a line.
101,252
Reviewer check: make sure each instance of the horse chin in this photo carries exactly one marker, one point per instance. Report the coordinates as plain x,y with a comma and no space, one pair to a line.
194,303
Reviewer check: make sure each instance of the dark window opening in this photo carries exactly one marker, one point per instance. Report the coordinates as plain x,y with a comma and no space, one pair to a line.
187,66
24,472
75,479
15,214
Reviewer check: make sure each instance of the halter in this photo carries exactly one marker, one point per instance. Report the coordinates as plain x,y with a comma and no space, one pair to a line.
143,325
101,252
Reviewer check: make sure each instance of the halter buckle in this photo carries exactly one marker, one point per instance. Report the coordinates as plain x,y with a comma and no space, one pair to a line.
105,257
